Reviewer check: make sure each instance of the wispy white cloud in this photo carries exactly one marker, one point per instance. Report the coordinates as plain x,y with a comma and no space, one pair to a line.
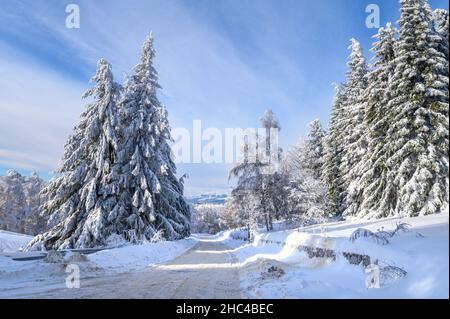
38,108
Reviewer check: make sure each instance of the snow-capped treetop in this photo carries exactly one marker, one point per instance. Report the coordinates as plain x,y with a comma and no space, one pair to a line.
12,174
377,93
441,21
357,66
383,48
270,123
144,73
314,149
100,117
269,120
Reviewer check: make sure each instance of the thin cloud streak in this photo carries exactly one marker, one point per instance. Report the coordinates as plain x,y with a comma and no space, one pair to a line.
38,109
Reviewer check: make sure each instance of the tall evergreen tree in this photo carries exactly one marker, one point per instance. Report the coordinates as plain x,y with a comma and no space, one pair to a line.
334,147
304,184
314,153
154,195
368,187
354,139
34,222
87,189
441,27
417,139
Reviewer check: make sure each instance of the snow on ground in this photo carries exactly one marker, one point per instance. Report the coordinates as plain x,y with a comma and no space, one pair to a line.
37,275
422,252
11,242
136,257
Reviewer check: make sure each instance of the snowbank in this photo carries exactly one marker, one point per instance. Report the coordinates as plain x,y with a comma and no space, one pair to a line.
12,242
422,252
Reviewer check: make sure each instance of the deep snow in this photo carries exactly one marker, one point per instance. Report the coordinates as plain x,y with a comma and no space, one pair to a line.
12,242
422,252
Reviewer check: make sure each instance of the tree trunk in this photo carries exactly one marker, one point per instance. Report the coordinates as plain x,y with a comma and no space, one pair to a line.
266,222
249,233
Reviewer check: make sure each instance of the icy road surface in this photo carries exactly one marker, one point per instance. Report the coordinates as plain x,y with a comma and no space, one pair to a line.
206,270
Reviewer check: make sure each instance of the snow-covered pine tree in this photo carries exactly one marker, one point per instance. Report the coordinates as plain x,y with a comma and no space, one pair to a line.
417,141
441,27
306,193
35,223
313,157
334,147
354,139
368,187
152,192
86,192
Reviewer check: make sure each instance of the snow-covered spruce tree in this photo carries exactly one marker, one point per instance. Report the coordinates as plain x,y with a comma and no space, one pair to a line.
34,222
370,173
306,193
308,153
81,199
153,195
417,140
354,139
307,200
334,147
441,27
313,157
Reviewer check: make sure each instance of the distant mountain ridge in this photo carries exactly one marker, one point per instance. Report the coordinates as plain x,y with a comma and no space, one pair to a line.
207,199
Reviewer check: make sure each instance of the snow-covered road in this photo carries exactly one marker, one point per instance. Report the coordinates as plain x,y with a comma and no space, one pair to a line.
207,269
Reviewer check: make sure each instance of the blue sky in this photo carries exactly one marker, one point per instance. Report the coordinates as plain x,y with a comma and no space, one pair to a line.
223,62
